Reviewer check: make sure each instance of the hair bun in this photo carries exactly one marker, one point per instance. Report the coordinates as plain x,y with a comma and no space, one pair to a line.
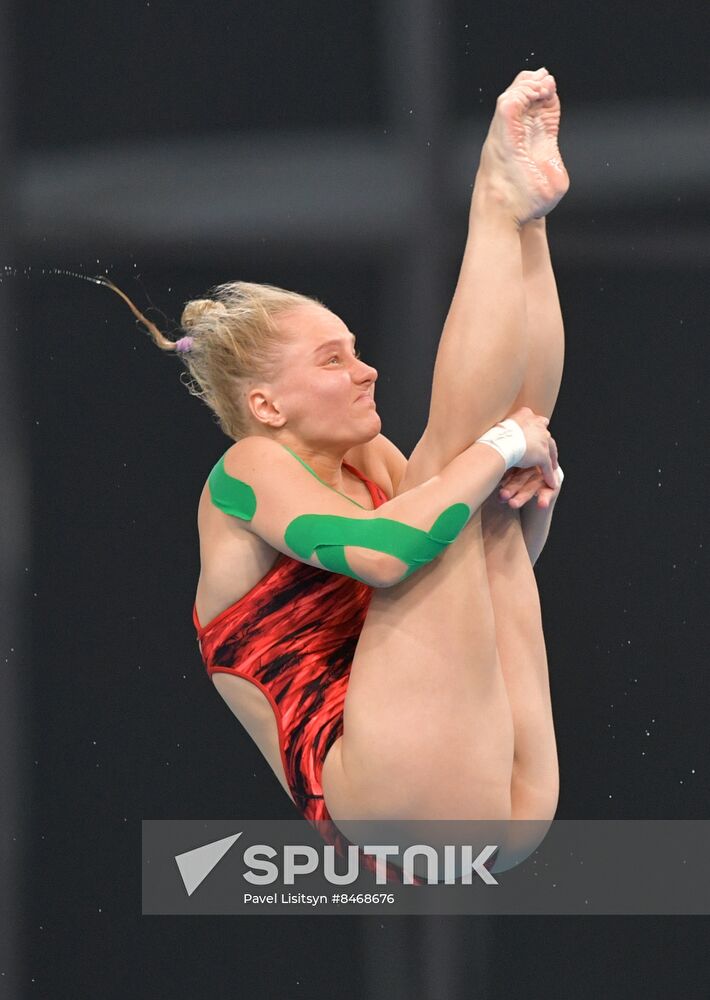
199,310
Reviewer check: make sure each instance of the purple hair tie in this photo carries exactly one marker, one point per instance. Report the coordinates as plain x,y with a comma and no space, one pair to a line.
183,345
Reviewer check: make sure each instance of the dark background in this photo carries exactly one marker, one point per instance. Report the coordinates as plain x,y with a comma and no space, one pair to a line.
114,718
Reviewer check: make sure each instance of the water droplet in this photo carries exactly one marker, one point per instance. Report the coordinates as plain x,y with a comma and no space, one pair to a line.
73,274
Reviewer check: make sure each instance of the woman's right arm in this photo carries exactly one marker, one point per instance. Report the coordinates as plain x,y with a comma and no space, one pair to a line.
287,507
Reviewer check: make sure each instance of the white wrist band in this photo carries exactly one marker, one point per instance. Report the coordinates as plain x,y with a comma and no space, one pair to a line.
560,475
508,440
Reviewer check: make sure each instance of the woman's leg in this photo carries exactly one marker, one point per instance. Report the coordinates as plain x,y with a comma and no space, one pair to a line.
516,605
427,730
513,589
486,330
545,328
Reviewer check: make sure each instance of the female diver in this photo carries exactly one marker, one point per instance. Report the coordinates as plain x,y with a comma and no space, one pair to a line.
372,621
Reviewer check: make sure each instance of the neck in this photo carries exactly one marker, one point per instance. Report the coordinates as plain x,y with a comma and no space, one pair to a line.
326,460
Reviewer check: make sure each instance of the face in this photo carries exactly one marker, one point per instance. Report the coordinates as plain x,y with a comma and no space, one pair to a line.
323,394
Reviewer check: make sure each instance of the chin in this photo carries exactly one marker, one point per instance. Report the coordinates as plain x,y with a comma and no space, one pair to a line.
368,434
377,427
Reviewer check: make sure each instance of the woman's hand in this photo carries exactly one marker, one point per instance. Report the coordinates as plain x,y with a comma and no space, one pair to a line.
519,486
541,448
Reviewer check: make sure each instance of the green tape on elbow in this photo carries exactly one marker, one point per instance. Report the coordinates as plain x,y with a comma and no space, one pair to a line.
327,535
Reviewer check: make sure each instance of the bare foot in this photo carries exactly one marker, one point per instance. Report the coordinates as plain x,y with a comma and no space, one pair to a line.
520,159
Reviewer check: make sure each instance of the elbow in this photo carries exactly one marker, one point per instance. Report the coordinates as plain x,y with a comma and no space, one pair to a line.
376,569
389,571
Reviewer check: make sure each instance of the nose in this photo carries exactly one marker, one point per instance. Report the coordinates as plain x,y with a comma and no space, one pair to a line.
365,372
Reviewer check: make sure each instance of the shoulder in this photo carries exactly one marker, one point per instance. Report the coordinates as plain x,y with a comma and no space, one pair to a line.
253,463
263,460
381,461
229,483
251,449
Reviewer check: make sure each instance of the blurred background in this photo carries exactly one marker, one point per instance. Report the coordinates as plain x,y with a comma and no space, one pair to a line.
330,148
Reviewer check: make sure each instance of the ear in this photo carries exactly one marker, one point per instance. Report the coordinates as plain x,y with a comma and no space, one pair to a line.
264,408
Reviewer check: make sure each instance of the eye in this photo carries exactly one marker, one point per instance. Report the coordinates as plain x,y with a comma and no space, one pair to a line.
334,358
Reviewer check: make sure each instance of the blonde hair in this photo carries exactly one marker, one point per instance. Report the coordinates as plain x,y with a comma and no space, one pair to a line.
231,340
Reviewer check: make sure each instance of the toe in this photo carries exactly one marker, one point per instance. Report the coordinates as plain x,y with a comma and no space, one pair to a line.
543,89
527,74
524,90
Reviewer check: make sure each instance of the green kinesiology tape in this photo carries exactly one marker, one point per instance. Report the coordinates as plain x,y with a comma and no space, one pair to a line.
327,535
231,495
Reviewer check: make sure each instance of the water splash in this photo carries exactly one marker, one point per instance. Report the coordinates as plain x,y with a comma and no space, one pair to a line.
10,271
100,279
95,280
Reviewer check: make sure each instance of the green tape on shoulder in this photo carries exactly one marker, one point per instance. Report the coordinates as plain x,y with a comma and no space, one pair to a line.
327,535
231,495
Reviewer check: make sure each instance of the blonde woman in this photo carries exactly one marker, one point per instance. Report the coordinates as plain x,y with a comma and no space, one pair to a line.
373,621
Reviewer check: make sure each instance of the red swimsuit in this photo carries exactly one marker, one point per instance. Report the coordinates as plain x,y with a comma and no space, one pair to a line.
294,636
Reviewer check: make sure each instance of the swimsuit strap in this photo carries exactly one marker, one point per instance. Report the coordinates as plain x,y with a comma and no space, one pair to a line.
314,473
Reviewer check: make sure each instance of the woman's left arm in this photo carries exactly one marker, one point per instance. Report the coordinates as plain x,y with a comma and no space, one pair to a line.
518,489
